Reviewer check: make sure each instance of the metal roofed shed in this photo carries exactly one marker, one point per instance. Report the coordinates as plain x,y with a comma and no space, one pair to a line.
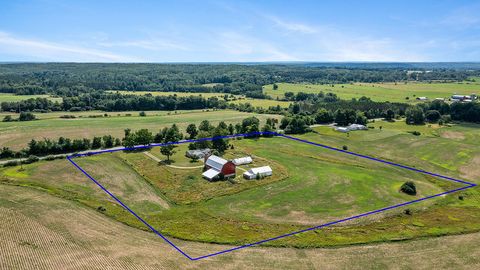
258,172
198,153
210,174
242,161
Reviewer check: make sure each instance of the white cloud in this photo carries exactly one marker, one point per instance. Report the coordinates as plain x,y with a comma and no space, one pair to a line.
153,45
292,26
240,47
52,51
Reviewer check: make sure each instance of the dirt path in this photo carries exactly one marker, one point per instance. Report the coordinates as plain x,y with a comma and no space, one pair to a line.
148,154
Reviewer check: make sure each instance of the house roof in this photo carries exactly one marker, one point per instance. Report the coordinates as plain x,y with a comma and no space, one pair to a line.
216,162
210,174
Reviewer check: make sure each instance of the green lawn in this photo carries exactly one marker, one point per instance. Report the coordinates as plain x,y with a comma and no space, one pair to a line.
316,186
393,92
4,97
18,134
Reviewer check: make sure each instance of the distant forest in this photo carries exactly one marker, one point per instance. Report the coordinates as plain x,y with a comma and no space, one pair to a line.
73,79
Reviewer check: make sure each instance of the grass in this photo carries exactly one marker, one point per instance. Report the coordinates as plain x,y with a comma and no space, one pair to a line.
316,186
16,135
4,97
320,186
180,94
264,103
55,232
393,92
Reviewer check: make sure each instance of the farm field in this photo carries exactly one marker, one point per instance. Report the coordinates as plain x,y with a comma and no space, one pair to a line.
4,97
58,233
158,93
16,135
314,187
264,103
393,92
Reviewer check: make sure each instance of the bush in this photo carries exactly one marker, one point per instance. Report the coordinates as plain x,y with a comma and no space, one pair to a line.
416,133
10,163
142,114
68,116
31,159
409,188
26,116
8,118
345,147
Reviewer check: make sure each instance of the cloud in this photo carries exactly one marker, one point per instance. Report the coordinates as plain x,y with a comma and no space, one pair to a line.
292,26
241,47
153,45
52,51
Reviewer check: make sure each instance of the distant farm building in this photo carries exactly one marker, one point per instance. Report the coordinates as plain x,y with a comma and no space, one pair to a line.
242,161
351,127
464,98
422,98
259,172
198,153
218,168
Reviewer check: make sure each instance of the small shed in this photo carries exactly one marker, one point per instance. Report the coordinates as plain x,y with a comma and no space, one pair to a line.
242,161
258,172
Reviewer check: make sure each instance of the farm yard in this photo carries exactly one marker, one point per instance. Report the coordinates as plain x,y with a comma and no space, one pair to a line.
393,92
309,186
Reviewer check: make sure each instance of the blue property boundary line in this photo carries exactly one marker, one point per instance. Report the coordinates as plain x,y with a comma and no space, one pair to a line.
468,185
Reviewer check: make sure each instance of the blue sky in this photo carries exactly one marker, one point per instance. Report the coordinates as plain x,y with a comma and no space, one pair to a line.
226,31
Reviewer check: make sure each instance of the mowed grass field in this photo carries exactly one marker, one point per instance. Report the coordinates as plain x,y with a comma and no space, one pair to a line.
17,134
180,94
4,97
315,186
393,92
264,103
42,231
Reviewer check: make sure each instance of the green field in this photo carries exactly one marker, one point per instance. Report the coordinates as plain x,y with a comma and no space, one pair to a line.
12,97
18,134
264,103
393,92
180,94
311,186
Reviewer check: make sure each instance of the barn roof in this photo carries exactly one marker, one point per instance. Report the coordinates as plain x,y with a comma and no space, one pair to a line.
216,162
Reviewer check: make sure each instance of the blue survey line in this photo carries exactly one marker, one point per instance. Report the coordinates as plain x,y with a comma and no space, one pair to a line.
469,185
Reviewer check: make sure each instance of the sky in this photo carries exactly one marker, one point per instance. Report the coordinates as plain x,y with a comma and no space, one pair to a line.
239,31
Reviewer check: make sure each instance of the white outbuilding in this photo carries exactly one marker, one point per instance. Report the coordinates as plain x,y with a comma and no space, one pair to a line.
242,161
260,172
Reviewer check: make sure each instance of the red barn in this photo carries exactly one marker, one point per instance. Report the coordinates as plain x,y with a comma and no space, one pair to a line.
217,167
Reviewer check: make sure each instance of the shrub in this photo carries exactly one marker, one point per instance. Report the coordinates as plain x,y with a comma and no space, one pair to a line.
8,118
408,212
345,147
142,113
409,188
416,133
31,159
10,163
